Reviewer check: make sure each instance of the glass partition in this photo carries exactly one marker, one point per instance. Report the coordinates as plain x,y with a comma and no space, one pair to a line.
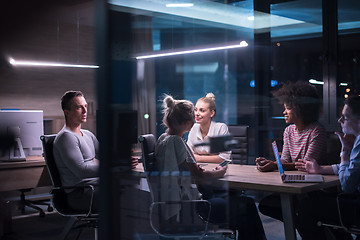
349,49
291,40
239,50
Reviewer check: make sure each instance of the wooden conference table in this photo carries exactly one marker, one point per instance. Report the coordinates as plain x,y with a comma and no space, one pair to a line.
248,177
240,177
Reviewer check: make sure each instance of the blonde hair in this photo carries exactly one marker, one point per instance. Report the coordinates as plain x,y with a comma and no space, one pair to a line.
176,113
210,99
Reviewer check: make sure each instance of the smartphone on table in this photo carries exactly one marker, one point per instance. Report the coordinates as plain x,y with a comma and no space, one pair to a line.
225,162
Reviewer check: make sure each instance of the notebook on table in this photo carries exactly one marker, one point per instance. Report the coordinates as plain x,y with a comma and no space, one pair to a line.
302,178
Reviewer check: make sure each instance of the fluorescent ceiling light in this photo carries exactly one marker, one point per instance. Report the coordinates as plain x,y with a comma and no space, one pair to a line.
179,5
48,64
183,51
313,81
212,12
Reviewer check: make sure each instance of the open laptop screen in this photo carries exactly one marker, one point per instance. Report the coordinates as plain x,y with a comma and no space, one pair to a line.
277,156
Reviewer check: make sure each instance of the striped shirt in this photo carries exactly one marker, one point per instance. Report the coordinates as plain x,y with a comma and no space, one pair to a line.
308,144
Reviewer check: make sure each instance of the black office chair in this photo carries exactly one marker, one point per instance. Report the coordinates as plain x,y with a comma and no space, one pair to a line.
148,143
32,203
239,154
78,219
348,207
190,223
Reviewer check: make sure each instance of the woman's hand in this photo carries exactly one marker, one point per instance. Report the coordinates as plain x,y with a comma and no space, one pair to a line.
201,167
307,166
265,165
134,162
220,169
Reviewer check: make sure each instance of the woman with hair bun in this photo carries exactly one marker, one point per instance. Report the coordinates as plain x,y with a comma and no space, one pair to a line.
172,153
173,156
205,127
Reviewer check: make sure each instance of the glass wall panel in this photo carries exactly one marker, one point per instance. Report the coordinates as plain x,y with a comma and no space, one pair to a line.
152,53
294,47
349,49
296,53
226,73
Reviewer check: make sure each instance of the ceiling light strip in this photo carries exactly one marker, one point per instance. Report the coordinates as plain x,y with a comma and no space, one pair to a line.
48,64
241,44
313,81
179,5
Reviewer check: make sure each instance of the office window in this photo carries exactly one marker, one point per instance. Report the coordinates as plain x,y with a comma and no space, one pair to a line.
286,41
296,53
349,49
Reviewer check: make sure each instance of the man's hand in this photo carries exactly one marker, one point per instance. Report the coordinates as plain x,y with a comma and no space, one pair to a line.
265,165
347,141
307,166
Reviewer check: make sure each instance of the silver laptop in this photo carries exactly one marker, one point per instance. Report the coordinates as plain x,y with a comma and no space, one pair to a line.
294,177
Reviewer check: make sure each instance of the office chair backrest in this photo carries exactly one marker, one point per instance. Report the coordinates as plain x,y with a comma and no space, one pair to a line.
59,195
240,155
48,148
148,143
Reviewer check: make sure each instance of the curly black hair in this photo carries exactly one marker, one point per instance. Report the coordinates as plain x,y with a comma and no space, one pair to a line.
303,98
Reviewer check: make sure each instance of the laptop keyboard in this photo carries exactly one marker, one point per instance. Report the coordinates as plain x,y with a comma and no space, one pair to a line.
296,177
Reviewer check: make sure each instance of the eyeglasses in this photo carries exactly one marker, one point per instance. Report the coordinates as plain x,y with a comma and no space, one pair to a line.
342,118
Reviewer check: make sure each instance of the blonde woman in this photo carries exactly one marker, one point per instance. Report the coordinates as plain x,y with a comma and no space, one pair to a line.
205,127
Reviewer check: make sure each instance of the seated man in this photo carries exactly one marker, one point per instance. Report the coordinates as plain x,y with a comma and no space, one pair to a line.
322,206
75,152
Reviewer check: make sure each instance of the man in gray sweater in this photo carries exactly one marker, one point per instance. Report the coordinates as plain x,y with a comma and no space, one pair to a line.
75,153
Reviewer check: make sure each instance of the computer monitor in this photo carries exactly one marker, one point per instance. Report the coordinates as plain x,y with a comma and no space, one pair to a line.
22,129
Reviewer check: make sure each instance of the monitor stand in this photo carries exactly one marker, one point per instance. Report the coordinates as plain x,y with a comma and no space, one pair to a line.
13,149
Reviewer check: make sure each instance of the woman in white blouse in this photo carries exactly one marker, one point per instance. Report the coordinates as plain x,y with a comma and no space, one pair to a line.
205,127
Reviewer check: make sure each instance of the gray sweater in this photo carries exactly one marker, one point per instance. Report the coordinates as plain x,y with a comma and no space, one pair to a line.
74,156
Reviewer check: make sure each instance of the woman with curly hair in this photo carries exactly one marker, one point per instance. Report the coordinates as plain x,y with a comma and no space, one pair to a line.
305,137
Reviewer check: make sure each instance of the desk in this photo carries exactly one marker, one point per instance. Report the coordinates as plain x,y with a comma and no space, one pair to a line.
248,177
31,173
